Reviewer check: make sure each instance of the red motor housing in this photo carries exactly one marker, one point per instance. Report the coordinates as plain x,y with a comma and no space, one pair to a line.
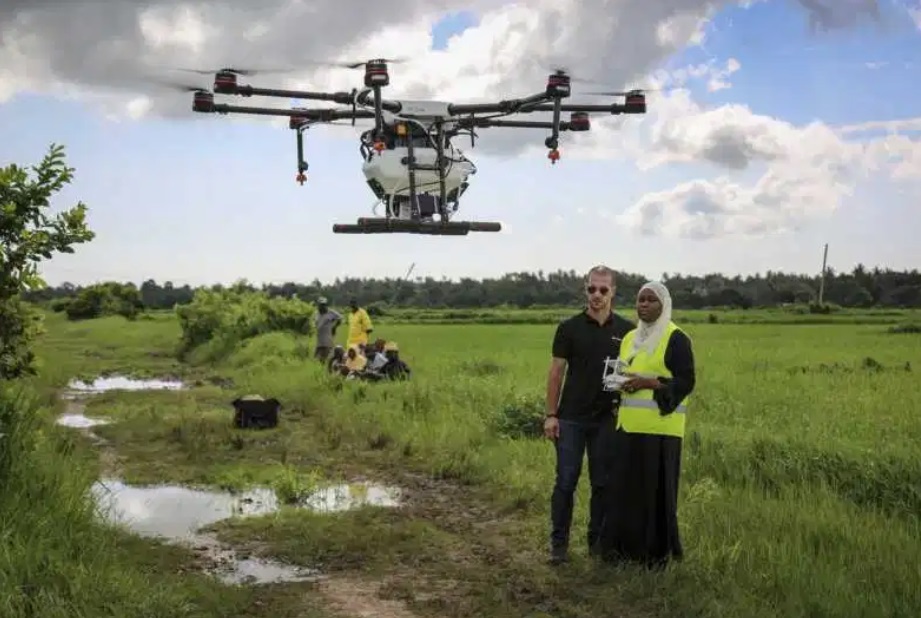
558,86
376,74
203,101
579,121
296,121
225,82
635,103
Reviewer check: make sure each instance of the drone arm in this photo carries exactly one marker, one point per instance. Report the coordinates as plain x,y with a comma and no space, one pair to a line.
301,162
614,108
508,106
394,107
312,115
342,98
512,124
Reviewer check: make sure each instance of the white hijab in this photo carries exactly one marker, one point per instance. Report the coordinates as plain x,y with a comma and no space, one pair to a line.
648,334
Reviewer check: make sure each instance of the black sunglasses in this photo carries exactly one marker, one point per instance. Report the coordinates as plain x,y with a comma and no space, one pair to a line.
602,290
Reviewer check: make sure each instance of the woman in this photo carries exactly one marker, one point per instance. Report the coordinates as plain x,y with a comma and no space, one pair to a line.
641,522
354,362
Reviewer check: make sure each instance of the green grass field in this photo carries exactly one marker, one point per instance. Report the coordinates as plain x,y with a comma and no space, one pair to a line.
801,482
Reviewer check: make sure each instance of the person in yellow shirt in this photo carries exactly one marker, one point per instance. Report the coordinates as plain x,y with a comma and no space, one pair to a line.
359,325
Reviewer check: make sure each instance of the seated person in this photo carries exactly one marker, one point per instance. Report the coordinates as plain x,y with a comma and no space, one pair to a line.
336,359
355,362
376,356
395,369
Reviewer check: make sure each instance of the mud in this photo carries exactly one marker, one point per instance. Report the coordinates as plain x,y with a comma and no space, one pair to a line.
176,514
354,597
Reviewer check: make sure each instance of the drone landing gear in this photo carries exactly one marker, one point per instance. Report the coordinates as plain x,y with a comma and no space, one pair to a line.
384,225
403,218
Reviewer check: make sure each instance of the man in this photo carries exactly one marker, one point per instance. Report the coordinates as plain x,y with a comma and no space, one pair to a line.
359,325
395,368
377,356
327,322
579,418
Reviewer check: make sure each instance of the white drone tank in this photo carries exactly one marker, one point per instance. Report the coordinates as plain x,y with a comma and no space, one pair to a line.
387,169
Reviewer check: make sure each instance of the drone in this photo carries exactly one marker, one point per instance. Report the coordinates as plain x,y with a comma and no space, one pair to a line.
408,159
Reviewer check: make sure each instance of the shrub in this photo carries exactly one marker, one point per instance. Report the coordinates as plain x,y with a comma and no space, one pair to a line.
523,417
225,317
105,299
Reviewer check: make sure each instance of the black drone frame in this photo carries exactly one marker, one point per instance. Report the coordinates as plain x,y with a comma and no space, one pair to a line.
464,118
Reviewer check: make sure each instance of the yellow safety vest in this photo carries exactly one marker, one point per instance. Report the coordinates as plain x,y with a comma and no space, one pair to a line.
639,413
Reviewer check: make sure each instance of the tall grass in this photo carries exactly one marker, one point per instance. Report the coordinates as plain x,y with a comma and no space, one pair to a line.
57,561
801,474
801,490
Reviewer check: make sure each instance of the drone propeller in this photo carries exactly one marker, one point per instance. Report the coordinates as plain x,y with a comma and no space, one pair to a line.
621,93
358,63
236,71
562,70
174,85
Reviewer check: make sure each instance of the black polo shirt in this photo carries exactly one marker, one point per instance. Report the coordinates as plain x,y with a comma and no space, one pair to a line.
586,345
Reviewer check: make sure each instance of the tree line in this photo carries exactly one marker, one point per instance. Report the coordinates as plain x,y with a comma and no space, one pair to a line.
859,288
31,234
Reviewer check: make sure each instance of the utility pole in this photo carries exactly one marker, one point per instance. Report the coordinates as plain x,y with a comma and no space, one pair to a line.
822,279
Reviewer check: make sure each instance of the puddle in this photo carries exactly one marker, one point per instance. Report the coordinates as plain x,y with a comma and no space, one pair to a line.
80,421
122,383
345,497
77,389
177,513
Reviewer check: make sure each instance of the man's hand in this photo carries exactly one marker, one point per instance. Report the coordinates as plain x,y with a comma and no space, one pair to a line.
551,428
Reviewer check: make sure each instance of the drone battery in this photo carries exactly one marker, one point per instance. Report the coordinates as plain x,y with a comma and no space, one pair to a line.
426,204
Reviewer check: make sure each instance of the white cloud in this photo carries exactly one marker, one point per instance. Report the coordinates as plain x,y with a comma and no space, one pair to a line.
808,170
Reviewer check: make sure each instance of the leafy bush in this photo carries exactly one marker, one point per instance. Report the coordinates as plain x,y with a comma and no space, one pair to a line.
905,329
19,326
522,417
224,317
102,299
31,235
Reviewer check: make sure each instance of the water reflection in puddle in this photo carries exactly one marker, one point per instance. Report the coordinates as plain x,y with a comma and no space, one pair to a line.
79,421
345,497
122,383
177,514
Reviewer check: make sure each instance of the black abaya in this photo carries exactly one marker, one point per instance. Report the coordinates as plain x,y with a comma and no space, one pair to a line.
641,497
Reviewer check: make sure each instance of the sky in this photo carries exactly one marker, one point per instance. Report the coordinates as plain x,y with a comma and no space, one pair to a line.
777,126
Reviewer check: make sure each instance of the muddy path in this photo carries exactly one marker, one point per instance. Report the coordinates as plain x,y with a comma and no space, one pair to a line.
179,514
74,416
451,552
